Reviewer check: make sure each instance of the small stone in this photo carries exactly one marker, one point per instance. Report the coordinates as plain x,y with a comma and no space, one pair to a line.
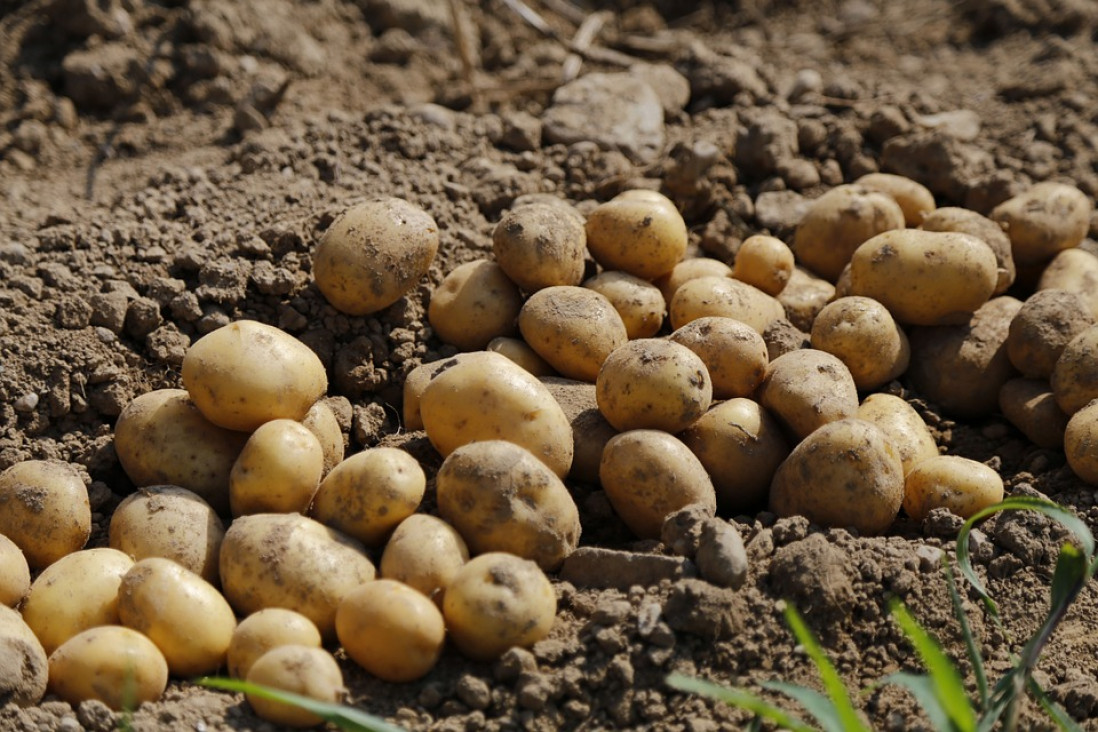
513,663
702,609
807,81
473,692
26,403
682,529
929,557
721,557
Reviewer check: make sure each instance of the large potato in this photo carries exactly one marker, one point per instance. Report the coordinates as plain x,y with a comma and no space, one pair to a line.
44,509
15,579
374,253
837,223
1081,443
765,262
112,664
1073,270
540,245
278,470
734,354
303,670
863,335
261,631
473,304
639,303
590,430
969,222
1041,330
1044,220
247,373
846,473
724,297
573,328
903,426
415,383
1030,406
962,485
1075,377
806,389
424,553
643,237
24,670
914,199
501,498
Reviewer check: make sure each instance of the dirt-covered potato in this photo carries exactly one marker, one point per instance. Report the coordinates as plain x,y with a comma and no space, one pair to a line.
806,389
322,422
724,297
278,470
733,352
639,303
837,223
44,510
573,328
1075,377
369,493
15,579
846,473
415,383
184,615
925,277
473,304
110,663
501,498
374,253
424,553
962,485
690,269
1073,270
1031,407
915,199
24,669
1038,334
261,631
498,601
391,630
540,245
290,561
903,426
492,398
162,439
863,335
304,670
590,430
643,236
741,446
1044,220
765,262
805,296
171,522
969,222
518,351
653,384
648,475
1081,443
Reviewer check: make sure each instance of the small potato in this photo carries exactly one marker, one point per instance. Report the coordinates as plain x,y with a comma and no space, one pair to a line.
925,277
969,222
44,510
110,663
648,475
322,422
915,199
526,357
303,670
77,592
590,430
540,245
1075,377
278,470
498,601
765,262
373,254
473,304
806,295
415,383
1030,406
1081,443
15,580
1044,220
653,384
734,354
183,614
264,630
24,669
162,439
724,297
639,303
1073,270
903,426
806,389
424,553
846,473
862,334
646,238
837,223
740,446
573,328
962,485
1041,330
369,493
501,498
391,630
690,269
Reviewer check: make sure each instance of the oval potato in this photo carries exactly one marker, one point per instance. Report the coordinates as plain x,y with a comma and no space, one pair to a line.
573,328
424,553
653,384
1044,220
44,510
110,663
765,262
734,354
541,245
838,222
1042,328
24,667
322,422
1081,443
1075,377
1073,270
278,470
806,389
862,334
914,199
903,426
15,579
962,485
1031,407
264,630
303,670
724,297
643,237
518,351
690,269
473,304
639,303
969,222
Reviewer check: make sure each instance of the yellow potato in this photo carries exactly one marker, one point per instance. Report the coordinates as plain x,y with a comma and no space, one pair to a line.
1075,376
322,422
653,384
837,223
639,303
724,297
473,304
110,663
417,380
733,352
806,389
638,235
915,199
1030,405
24,669
590,430
862,334
573,328
962,485
247,373
303,670
44,510
1081,443
806,295
424,553
690,269
15,579
266,629
526,357
765,262
1044,220
1041,330
278,470
540,245
969,222
374,253
903,426
1073,270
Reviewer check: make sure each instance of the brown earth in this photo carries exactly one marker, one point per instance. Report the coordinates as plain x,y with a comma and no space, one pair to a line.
167,167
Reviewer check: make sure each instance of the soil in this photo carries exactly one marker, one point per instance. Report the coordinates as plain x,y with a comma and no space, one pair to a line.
167,167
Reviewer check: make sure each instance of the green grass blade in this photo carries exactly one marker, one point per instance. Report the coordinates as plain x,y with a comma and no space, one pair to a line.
815,703
738,698
922,688
973,651
344,717
1055,712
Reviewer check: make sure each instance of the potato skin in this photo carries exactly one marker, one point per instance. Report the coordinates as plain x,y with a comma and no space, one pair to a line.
540,245
639,303
1075,377
1044,220
837,223
734,354
1040,331
304,670
653,384
424,553
765,262
278,470
415,383
15,579
965,221
1074,270
322,422
573,328
111,663
646,238
24,668
690,269
962,485
806,389
518,351
473,304
863,335
724,297
264,630
1081,441
44,509
903,426
914,199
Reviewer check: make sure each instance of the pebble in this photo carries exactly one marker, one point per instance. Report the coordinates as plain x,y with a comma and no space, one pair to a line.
721,557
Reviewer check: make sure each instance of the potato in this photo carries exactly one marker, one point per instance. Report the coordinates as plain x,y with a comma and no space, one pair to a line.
183,614
573,328
1044,220
741,446
391,630
540,245
77,592
415,383
526,357
162,439
369,493
648,475
638,235
501,498
590,430
1073,270
845,474
925,277
473,304
278,470
1080,441
639,303
806,295
264,630
498,601
765,262
1031,407
112,664
653,384
733,352
44,510
247,373
806,389
690,269
969,222
290,561
1075,377
171,522
24,669
915,199
962,485
424,553
837,223
322,422
724,297
491,398
862,334
303,670
1041,330
903,426
374,253
15,580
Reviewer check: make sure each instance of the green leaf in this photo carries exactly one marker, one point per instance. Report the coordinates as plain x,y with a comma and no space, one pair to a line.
971,648
1072,573
346,718
922,688
815,703
738,698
